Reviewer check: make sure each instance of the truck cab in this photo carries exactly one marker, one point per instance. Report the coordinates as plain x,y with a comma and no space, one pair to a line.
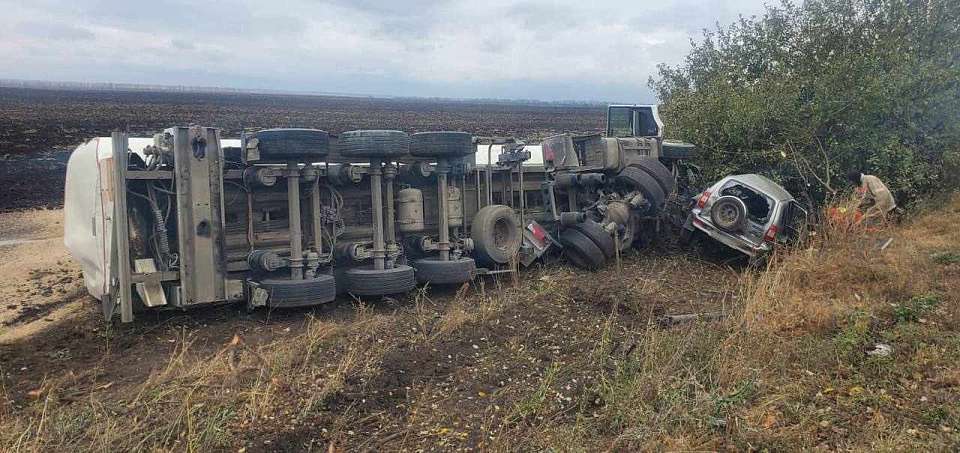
624,120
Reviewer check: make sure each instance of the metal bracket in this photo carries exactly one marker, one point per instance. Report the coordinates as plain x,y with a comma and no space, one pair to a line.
121,232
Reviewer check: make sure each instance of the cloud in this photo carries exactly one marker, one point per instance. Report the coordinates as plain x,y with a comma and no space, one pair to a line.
52,31
451,48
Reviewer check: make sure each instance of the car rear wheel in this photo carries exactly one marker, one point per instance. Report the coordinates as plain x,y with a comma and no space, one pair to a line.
729,213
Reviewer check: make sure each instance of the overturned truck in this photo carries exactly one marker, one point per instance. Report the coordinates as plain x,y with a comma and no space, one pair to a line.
294,217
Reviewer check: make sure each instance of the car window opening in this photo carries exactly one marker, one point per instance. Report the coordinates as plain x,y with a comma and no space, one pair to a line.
758,206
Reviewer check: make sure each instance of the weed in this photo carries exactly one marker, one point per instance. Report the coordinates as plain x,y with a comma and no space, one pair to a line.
945,258
743,392
917,306
536,403
853,334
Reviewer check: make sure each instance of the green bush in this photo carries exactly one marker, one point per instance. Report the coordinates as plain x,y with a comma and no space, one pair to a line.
805,93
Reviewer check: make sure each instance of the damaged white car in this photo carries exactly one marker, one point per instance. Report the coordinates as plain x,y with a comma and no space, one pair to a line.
748,213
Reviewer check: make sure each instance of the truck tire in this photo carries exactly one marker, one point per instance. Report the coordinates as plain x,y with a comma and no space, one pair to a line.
367,281
373,143
496,234
437,272
729,213
677,150
441,144
660,172
638,179
299,293
599,236
284,145
580,250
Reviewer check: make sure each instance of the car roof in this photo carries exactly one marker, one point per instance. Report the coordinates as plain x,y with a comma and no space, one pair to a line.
764,185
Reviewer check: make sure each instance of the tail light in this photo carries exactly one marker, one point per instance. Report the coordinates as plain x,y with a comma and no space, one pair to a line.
703,199
771,234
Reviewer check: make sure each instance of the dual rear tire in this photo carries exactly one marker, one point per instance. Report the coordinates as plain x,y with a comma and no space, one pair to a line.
587,245
438,272
367,281
374,144
299,293
652,179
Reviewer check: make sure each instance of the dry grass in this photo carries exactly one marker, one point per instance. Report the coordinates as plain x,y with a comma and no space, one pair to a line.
562,363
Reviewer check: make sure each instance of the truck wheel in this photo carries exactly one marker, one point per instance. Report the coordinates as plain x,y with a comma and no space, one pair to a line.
441,144
374,143
638,179
496,234
580,250
367,281
299,293
729,213
291,144
660,172
599,236
677,150
438,272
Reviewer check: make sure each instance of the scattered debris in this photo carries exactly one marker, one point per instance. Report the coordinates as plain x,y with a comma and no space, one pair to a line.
885,244
880,350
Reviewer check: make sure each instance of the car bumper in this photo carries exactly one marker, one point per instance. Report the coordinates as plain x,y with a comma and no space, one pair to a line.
746,247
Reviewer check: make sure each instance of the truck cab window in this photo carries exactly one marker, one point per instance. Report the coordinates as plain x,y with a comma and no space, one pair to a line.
646,124
620,122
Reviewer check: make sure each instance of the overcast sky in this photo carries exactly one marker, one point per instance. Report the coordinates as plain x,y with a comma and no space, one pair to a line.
548,50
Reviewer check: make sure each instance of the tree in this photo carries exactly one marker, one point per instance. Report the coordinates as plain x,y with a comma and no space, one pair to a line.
805,93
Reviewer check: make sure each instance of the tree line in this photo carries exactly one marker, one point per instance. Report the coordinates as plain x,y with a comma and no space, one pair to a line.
807,92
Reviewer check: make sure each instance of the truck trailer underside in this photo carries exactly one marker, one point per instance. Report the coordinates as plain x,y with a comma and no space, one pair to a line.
293,217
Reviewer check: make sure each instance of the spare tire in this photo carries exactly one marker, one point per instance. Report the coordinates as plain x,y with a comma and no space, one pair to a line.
641,180
729,213
580,250
299,293
441,144
291,144
496,235
438,272
599,236
660,172
373,143
367,281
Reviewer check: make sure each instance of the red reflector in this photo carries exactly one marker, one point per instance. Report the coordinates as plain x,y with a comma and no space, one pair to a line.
538,231
771,234
703,199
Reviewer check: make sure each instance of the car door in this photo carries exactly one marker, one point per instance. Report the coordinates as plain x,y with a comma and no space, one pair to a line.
794,222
